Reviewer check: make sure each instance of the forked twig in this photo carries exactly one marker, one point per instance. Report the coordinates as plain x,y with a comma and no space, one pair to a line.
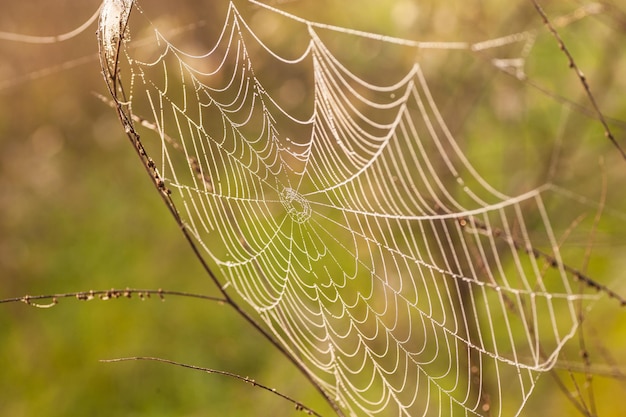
299,406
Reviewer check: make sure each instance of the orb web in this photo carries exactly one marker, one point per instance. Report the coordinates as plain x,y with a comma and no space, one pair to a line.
372,249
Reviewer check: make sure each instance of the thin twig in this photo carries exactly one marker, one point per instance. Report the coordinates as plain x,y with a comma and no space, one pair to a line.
581,77
298,404
472,224
584,352
608,370
105,295
574,398
614,370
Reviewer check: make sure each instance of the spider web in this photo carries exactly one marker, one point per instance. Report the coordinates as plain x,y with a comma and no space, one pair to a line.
360,234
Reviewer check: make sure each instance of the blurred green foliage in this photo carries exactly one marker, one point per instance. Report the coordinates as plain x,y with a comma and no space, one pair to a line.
77,211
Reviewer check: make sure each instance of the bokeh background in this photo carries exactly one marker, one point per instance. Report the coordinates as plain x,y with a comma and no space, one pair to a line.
77,211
